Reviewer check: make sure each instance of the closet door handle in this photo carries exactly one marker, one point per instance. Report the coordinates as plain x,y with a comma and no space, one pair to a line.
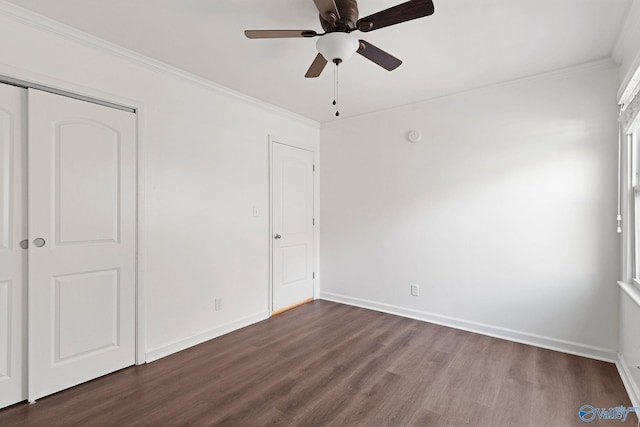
39,242
24,244
277,237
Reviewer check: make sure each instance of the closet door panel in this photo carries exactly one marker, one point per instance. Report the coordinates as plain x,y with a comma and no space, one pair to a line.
82,215
12,256
87,191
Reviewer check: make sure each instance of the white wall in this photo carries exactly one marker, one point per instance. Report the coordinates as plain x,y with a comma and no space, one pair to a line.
627,50
205,166
504,213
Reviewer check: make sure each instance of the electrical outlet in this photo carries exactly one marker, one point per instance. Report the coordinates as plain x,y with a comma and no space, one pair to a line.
218,304
415,290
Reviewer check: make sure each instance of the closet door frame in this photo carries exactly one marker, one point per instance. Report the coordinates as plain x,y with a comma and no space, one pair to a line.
27,79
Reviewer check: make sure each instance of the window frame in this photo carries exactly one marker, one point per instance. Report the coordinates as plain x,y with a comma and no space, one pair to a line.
629,176
631,146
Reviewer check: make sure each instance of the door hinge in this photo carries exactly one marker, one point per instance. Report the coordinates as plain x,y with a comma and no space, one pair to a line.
314,168
313,221
313,276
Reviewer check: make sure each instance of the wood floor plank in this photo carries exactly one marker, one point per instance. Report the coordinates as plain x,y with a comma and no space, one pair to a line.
327,364
364,404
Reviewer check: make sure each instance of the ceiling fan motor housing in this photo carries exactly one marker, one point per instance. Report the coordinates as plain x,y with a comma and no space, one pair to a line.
348,10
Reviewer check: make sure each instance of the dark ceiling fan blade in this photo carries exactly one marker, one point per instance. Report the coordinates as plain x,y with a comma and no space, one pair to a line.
328,10
412,9
379,56
317,66
278,34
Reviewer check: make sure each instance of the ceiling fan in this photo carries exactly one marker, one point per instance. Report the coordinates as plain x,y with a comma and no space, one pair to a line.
338,19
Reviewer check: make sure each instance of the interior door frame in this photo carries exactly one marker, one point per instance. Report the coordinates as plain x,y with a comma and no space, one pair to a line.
316,213
25,78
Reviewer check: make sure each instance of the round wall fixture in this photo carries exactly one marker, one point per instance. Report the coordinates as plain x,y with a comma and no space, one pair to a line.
414,136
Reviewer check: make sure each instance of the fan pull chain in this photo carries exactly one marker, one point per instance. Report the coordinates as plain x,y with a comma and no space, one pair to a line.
335,88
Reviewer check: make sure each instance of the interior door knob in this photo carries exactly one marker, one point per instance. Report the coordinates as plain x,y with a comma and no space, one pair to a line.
39,242
277,237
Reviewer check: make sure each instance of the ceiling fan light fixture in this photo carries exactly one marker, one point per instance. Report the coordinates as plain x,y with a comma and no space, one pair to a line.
337,47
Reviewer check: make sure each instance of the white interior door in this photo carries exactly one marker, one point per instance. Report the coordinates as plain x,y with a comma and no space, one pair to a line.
13,229
82,216
292,216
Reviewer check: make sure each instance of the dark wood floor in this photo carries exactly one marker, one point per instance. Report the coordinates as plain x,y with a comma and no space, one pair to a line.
327,364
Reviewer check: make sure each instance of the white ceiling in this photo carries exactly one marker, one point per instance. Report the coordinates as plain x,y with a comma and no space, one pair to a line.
465,44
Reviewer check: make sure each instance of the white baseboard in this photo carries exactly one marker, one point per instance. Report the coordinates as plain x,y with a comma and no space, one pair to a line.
176,346
629,383
578,349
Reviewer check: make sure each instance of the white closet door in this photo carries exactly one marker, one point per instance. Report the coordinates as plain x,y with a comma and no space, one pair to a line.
292,213
82,216
13,258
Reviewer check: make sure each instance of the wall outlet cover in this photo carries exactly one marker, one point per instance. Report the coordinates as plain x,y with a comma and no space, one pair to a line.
415,290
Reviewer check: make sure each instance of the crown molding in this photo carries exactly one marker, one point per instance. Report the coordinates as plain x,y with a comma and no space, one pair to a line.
631,83
48,25
419,105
